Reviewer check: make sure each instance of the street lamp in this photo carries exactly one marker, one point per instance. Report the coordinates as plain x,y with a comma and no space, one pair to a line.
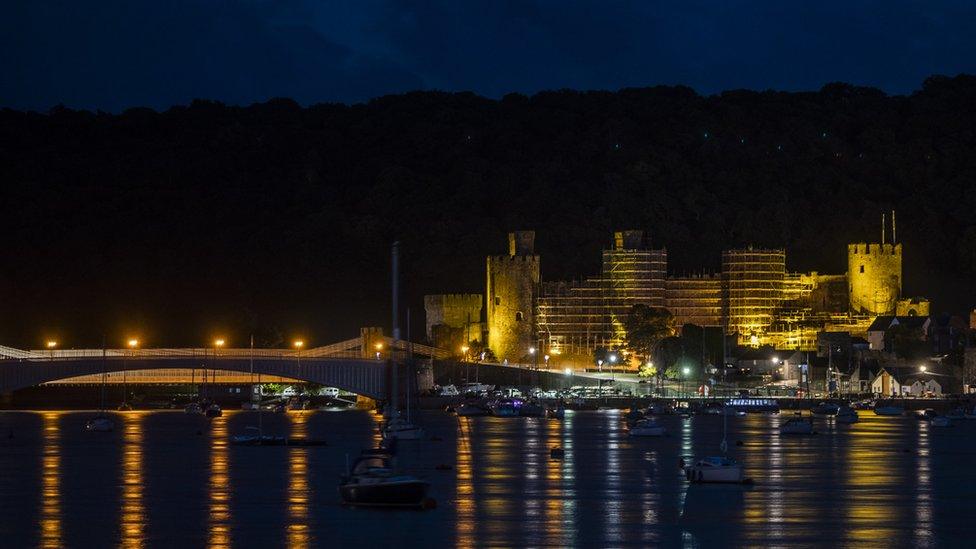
51,344
685,371
922,368
218,343
132,343
599,364
613,360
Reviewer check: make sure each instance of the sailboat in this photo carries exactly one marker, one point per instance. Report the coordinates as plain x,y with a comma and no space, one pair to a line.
101,423
402,429
717,469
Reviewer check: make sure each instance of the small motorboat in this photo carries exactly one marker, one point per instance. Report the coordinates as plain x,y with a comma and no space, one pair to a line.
647,428
889,410
846,414
634,415
660,409
100,424
716,469
125,407
798,425
826,409
556,413
254,437
470,410
956,414
505,407
927,414
940,421
193,408
863,405
213,411
401,429
374,482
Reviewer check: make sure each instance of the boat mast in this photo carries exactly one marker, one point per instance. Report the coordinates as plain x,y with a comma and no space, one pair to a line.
396,327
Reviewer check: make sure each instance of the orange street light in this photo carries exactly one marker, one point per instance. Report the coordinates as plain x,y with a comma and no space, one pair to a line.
133,343
218,342
298,344
379,346
52,344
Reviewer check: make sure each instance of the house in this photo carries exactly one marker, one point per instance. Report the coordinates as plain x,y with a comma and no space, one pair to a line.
879,332
922,385
885,383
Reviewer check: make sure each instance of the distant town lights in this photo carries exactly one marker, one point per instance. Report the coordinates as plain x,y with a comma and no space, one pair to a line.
568,371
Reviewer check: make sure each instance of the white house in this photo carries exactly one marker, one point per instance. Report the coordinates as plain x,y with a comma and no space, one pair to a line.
885,384
921,386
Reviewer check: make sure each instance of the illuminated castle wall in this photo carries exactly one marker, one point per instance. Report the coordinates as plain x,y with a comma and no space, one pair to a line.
459,311
874,277
754,297
578,317
511,287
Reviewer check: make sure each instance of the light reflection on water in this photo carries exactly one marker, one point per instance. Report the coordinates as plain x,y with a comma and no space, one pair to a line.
881,481
133,509
219,526
51,481
298,490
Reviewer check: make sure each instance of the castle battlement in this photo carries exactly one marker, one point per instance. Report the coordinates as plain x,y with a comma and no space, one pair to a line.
514,258
873,249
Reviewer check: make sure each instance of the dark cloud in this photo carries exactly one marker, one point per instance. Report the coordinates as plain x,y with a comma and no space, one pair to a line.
112,55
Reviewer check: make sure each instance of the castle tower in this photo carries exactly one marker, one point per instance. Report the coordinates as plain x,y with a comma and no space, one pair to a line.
511,287
874,277
752,291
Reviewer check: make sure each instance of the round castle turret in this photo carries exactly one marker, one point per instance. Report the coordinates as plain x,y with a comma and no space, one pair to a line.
874,277
510,291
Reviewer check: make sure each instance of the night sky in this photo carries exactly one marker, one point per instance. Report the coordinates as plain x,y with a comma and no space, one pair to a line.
112,55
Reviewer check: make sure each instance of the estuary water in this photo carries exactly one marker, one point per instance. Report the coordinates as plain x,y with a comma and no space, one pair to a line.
171,480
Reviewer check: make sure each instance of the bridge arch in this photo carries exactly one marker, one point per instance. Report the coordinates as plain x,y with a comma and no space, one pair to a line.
361,376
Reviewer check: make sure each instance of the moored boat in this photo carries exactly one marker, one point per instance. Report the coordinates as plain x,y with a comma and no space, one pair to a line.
826,409
401,429
647,428
469,410
940,421
798,425
888,410
846,414
100,424
193,408
374,482
505,407
715,469
213,411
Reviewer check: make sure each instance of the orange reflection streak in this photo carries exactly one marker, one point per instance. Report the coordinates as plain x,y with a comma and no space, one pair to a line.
219,523
133,510
465,506
872,481
377,418
298,497
553,513
50,482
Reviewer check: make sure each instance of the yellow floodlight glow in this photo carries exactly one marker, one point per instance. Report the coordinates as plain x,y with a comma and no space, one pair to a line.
379,346
465,348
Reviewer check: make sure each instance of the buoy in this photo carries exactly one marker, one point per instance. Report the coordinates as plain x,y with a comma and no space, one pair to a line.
429,503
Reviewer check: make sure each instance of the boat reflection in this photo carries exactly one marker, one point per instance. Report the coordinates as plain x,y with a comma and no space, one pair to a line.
50,534
133,519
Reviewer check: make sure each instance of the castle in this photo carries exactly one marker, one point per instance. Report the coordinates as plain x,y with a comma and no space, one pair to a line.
753,297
